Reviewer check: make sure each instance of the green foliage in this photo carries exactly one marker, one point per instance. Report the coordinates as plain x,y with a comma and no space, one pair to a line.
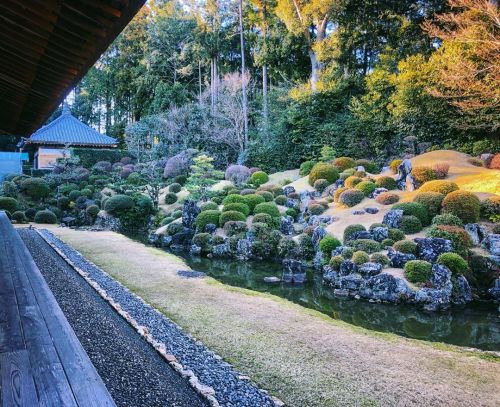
118,204
386,182
170,198
443,187
343,163
387,198
447,219
35,188
202,176
316,209
235,198
252,200
423,174
490,208
267,219
19,217
258,178
335,262
231,216
174,228
418,271
280,200
176,214
74,195
327,154
459,238
321,184
268,196
431,200
9,189
350,230
394,165
352,181
134,178
167,220
367,187
306,167
351,197
414,209
328,244
368,165
267,207
454,262
291,212
387,242
8,204
359,257
406,246
238,207
202,240
347,252
45,216
462,204
396,234
209,216
323,171
90,156
92,210
175,187
366,245
209,206
379,258
410,224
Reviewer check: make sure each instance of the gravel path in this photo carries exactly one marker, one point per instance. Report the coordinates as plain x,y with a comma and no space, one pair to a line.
132,370
230,388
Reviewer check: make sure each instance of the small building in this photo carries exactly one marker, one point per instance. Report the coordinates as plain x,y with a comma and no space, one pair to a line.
54,140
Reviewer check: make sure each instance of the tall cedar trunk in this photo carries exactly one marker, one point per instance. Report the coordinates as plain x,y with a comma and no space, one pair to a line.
199,79
265,109
243,83
314,70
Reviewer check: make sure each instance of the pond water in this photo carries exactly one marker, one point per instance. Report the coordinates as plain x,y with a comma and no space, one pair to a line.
476,325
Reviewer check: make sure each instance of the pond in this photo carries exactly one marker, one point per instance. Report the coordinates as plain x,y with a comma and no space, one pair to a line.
476,325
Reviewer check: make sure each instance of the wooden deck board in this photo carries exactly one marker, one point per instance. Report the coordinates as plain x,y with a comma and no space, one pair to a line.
36,337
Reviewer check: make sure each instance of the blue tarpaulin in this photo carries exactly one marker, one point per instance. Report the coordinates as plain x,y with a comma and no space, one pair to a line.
11,163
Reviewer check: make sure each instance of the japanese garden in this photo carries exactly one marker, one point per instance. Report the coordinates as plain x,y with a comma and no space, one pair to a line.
251,203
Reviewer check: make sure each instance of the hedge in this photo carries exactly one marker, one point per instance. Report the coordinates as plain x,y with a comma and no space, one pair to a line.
45,216
267,207
90,156
8,204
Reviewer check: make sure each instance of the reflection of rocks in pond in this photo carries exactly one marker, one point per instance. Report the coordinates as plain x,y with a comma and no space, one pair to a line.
293,271
461,293
351,282
272,280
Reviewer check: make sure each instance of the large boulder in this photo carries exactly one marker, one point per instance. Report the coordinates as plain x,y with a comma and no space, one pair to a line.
430,248
461,293
441,276
380,233
398,259
329,275
393,218
492,243
244,249
189,213
221,251
351,282
433,300
179,164
318,234
286,225
476,232
183,238
347,267
386,287
369,269
288,190
495,290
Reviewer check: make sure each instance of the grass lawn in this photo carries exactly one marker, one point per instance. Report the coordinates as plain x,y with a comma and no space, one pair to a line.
300,355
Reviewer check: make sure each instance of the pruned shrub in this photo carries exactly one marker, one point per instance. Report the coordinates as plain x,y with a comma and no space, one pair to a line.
463,204
351,197
351,230
35,188
386,182
441,170
443,187
396,234
9,189
458,236
231,216
418,271
280,200
210,216
170,198
272,188
8,204
368,165
410,224
247,191
495,162
343,163
321,184
366,245
174,228
338,192
92,210
335,262
102,167
454,262
235,227
447,219
347,252
379,258
118,204
180,179
490,208
207,206
352,181
238,207
328,244
267,219
202,240
175,188
134,178
360,257
19,217
176,214
415,209
45,216
291,212
423,174
323,171
387,198
387,242
367,187
477,162
268,196
258,178
306,167
238,174
406,246
252,200
267,207
316,209
234,198
431,200
179,164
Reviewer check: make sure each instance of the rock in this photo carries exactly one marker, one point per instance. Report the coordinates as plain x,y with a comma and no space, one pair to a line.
272,280
68,220
195,250
189,213
371,210
360,168
441,276
318,260
492,243
329,275
292,203
183,238
221,251
166,241
315,220
361,234
393,218
378,191
286,225
411,183
369,269
293,271
288,190
341,293
330,190
244,249
154,239
399,259
338,251
476,232
210,228
495,290
404,169
486,157
347,267
386,287
318,234
351,282
380,233
191,274
429,248
461,293
358,212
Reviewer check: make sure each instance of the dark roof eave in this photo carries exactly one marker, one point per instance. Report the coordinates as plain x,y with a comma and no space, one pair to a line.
56,143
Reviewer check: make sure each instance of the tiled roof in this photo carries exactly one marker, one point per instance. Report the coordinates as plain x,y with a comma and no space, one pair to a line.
67,129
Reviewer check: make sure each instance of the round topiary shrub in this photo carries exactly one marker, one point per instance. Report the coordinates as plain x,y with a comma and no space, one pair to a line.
268,196
102,167
414,209
175,187
367,187
45,216
134,178
264,218
418,271
174,228
495,162
454,262
343,163
328,244
316,209
267,207
280,200
170,198
176,214
352,181
9,189
379,258
463,204
35,188
306,167
235,227
118,204
387,198
335,262
410,224
323,171
386,182
423,174
291,212
207,206
447,219
74,195
235,198
210,216
396,234
167,220
321,184
258,178
347,252
351,230
351,197
368,165
238,174
8,204
431,200
387,242
338,192
443,187
19,217
202,240
87,192
252,200
231,216
238,207
360,257
490,208
366,245
394,165
92,210
406,246
460,239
